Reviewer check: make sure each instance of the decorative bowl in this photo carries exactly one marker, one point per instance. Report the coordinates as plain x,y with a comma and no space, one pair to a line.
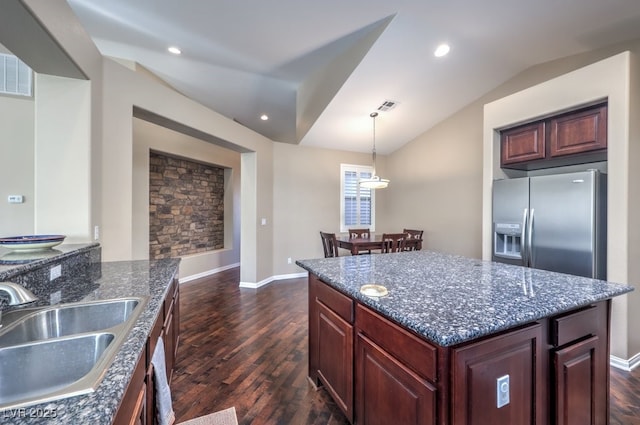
31,242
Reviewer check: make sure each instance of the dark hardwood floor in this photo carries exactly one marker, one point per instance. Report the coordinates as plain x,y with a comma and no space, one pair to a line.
248,348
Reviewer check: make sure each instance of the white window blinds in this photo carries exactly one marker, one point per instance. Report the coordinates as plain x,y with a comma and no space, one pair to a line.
356,203
15,76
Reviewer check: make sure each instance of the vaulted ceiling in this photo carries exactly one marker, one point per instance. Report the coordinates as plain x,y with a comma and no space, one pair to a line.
318,69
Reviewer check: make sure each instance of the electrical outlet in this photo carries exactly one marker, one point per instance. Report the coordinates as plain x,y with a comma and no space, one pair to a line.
502,391
96,233
55,298
289,260
55,272
15,199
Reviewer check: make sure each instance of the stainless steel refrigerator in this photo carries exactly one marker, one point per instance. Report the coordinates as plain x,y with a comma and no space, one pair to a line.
554,222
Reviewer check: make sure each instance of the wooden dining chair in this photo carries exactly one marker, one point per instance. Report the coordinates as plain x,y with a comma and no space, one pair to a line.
329,244
414,237
393,242
360,233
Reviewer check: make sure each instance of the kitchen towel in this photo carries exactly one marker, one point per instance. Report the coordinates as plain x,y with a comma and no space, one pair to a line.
164,406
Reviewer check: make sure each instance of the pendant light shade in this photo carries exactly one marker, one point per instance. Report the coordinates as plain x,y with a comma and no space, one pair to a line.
374,182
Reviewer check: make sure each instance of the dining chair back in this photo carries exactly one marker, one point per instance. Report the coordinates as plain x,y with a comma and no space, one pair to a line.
415,236
393,242
329,244
359,233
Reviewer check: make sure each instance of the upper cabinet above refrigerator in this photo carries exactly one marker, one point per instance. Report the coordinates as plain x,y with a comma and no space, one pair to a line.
575,137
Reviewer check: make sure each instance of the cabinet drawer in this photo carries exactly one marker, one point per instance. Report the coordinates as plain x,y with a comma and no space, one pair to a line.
339,303
574,325
406,347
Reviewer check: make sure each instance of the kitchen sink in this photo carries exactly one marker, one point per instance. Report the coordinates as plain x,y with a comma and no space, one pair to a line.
46,370
61,351
66,319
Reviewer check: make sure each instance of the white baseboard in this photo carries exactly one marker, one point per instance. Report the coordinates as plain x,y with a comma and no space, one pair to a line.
208,273
268,280
623,364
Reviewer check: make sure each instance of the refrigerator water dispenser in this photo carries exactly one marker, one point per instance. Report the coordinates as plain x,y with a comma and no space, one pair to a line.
507,240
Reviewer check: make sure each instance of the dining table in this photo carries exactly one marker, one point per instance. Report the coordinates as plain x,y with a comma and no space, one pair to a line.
373,242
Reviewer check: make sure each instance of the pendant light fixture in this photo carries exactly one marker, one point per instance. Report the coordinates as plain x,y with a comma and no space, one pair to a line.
374,182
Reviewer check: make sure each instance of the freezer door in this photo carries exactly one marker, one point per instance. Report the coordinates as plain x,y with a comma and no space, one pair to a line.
562,222
510,203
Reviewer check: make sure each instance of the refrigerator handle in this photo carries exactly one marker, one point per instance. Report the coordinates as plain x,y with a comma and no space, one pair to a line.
530,239
523,233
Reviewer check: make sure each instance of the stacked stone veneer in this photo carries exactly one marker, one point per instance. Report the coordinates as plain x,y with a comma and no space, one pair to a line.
186,207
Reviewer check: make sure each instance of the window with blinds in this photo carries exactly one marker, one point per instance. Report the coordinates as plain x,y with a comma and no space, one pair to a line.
357,205
15,76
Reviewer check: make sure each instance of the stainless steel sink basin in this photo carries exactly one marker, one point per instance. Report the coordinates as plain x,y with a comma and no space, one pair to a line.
67,319
61,351
45,370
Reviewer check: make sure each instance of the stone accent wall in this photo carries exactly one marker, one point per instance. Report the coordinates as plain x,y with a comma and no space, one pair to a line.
186,207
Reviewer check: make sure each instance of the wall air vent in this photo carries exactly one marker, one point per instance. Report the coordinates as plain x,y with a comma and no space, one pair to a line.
387,105
15,76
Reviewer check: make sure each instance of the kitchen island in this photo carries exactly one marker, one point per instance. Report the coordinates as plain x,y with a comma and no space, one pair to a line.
115,399
459,341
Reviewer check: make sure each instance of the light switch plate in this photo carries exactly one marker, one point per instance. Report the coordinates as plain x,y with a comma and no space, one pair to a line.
502,391
55,272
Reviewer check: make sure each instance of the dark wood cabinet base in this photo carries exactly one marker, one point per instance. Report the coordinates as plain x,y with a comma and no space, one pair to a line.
550,371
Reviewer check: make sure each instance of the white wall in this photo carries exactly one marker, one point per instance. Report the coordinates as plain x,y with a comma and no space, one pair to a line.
17,165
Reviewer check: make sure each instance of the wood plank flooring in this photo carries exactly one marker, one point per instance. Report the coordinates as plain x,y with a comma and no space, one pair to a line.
248,348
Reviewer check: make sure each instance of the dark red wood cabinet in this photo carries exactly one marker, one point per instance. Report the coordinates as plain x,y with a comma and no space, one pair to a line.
137,405
574,137
379,372
478,366
331,343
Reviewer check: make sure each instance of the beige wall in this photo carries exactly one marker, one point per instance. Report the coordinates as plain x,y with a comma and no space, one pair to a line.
63,157
17,165
306,199
437,185
128,89
148,136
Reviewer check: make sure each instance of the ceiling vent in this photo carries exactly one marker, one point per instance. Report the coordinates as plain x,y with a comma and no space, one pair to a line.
387,105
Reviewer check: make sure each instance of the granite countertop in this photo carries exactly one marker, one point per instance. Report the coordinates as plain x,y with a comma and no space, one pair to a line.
452,299
15,262
113,280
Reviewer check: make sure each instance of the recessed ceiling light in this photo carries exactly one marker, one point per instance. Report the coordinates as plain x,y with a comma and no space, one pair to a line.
442,50
264,117
174,50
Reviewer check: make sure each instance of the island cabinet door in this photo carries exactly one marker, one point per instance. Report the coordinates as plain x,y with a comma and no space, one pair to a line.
577,397
387,391
331,343
335,358
580,366
499,380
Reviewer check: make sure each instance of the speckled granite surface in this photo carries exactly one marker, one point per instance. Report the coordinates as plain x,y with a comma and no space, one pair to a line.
16,263
452,299
104,281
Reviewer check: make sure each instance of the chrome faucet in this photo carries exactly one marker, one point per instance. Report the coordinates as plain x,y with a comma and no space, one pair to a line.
17,294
